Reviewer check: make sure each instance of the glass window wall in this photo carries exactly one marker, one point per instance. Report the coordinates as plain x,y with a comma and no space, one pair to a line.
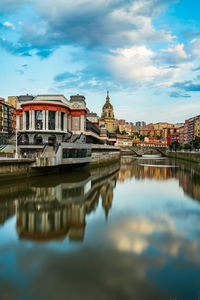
38,120
52,120
27,120
62,121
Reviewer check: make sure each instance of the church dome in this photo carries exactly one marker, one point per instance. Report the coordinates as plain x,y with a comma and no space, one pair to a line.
107,105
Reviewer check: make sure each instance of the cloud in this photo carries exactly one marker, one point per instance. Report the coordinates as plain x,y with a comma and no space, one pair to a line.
10,25
178,95
7,6
21,72
138,64
195,47
196,69
66,75
21,49
175,54
187,86
96,23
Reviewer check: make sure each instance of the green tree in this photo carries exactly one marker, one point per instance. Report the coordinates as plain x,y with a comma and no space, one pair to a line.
196,142
175,145
118,131
187,147
158,137
141,137
124,132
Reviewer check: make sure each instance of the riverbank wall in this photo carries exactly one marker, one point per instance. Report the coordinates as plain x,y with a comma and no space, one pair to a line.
15,167
187,156
102,155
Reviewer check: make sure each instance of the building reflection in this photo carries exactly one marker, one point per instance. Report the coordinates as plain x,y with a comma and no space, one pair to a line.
7,210
56,208
54,213
188,175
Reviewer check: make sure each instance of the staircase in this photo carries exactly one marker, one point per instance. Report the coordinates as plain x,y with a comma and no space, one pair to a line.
2,147
49,151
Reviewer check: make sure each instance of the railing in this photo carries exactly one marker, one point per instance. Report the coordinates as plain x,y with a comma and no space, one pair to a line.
111,134
57,147
69,138
90,126
43,150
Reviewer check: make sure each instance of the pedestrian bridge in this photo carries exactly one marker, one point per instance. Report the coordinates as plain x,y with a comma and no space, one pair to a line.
142,150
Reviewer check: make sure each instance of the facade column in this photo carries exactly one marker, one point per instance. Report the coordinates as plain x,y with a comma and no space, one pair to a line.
82,129
33,119
31,222
45,222
59,120
57,220
47,120
31,138
44,120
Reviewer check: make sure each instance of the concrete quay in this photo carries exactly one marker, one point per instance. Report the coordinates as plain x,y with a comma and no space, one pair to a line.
15,167
187,156
101,155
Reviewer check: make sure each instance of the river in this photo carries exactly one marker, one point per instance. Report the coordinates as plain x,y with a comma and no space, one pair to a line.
127,231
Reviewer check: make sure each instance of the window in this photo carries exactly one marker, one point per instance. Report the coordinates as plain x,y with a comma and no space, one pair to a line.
62,121
38,120
27,120
52,120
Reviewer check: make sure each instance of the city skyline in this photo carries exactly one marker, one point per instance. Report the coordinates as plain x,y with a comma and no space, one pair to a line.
146,53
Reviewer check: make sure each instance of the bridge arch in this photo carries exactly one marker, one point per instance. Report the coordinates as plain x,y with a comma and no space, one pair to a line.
149,150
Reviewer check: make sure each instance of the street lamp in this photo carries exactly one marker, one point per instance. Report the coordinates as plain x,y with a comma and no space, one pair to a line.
16,154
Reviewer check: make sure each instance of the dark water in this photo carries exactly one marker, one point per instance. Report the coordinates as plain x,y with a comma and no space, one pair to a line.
110,233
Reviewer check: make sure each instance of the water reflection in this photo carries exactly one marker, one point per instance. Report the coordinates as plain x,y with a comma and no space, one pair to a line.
188,175
54,208
138,233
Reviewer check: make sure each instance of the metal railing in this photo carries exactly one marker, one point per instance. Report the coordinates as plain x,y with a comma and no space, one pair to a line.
90,126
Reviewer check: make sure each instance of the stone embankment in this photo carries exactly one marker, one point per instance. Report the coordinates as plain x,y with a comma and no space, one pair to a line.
102,155
188,156
15,167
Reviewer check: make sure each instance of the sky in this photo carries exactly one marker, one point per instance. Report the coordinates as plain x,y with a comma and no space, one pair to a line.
145,52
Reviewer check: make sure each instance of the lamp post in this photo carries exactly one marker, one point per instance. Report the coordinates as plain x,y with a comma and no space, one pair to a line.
16,154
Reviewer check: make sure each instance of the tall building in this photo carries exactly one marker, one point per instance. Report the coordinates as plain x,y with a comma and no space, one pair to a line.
162,125
140,124
186,141
197,126
7,117
122,122
116,124
107,117
191,122
12,101
181,135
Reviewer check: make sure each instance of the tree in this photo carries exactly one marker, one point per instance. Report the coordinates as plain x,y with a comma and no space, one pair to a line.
196,142
187,147
118,131
124,132
175,145
141,138
158,137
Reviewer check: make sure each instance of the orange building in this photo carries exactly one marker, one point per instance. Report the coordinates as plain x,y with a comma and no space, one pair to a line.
150,132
